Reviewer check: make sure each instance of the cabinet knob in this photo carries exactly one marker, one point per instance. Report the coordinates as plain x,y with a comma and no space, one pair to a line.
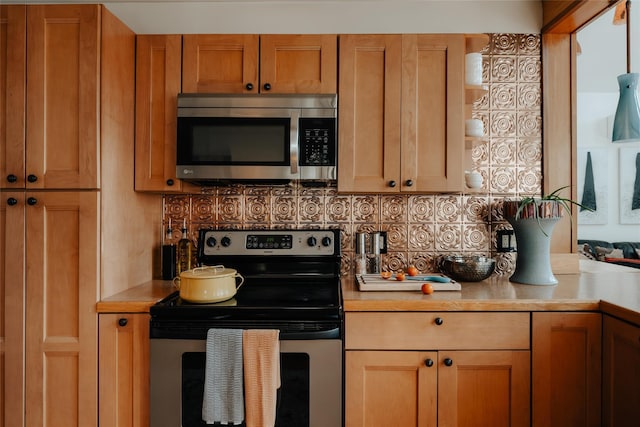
448,361
12,201
439,321
249,86
267,86
123,322
428,363
32,178
170,182
392,184
12,178
409,183
32,201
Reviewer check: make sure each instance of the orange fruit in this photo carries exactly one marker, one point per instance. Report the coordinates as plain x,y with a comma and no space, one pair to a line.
412,271
400,276
427,288
385,274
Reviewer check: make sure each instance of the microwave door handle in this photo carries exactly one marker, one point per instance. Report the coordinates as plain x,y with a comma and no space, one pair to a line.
293,143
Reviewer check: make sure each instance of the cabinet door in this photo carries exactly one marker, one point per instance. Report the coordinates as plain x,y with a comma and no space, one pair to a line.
390,388
432,112
12,294
621,359
62,96
369,131
483,388
157,87
566,366
226,63
124,370
298,63
13,50
62,287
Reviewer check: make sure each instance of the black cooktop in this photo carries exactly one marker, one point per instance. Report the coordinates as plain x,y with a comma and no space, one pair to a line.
294,287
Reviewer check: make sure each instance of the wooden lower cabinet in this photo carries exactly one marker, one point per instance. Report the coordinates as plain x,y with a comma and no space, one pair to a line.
453,388
474,370
566,366
621,376
124,370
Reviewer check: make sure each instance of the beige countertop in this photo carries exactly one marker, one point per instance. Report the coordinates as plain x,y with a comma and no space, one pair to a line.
137,299
614,290
611,289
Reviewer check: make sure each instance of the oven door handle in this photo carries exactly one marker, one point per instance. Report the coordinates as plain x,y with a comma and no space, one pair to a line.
312,335
293,142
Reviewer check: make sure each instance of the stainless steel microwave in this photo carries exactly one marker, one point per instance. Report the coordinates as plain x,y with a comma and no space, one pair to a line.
256,138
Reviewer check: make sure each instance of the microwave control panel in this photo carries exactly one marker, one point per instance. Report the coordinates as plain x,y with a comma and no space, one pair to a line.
317,141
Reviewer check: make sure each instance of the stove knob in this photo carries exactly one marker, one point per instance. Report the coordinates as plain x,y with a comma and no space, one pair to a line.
211,242
225,241
311,241
326,241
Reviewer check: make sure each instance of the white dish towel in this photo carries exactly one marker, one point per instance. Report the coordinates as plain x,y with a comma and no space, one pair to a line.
223,400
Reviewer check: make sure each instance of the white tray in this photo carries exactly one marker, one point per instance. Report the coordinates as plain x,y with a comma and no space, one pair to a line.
373,282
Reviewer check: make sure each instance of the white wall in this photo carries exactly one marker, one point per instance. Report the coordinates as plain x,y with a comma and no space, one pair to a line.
603,58
324,16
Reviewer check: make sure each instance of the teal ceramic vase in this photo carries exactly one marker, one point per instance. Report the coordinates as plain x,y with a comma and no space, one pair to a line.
626,124
533,240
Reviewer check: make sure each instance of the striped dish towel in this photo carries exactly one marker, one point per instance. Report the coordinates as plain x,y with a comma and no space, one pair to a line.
261,349
223,389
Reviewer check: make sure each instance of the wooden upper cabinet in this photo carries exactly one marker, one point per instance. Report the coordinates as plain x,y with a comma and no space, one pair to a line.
157,86
13,62
432,112
299,63
401,113
220,63
62,96
231,63
369,113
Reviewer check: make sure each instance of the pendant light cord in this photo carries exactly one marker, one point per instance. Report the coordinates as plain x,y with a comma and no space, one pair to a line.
628,7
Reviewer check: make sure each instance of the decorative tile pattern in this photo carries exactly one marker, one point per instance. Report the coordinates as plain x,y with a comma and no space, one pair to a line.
419,227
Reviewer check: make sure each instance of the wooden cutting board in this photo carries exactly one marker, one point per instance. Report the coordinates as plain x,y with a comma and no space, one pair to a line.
373,282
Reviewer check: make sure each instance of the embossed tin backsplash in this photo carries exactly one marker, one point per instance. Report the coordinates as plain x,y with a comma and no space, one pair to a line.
419,227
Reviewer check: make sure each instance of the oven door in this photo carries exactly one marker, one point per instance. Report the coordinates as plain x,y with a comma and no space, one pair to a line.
311,383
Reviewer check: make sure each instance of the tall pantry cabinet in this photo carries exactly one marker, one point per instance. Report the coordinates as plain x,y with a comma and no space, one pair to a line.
70,222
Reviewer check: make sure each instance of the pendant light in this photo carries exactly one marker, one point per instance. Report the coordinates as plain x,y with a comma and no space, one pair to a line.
626,124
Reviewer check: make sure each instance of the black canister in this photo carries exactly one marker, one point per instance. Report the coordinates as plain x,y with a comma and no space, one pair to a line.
168,262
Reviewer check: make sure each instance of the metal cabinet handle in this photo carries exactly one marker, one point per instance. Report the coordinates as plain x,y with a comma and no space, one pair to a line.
392,184
428,363
267,86
12,178
409,183
439,321
170,182
32,201
123,322
32,178
249,86
12,201
448,362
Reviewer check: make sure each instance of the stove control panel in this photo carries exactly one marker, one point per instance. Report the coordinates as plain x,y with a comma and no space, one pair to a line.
269,242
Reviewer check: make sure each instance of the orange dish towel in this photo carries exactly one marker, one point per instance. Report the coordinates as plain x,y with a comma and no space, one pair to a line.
261,360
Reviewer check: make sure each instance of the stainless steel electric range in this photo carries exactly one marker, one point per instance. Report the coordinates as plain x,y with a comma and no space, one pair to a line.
292,283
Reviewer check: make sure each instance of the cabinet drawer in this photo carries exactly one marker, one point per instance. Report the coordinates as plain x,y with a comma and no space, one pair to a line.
436,331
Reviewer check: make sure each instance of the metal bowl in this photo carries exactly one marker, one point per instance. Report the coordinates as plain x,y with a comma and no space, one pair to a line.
469,268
